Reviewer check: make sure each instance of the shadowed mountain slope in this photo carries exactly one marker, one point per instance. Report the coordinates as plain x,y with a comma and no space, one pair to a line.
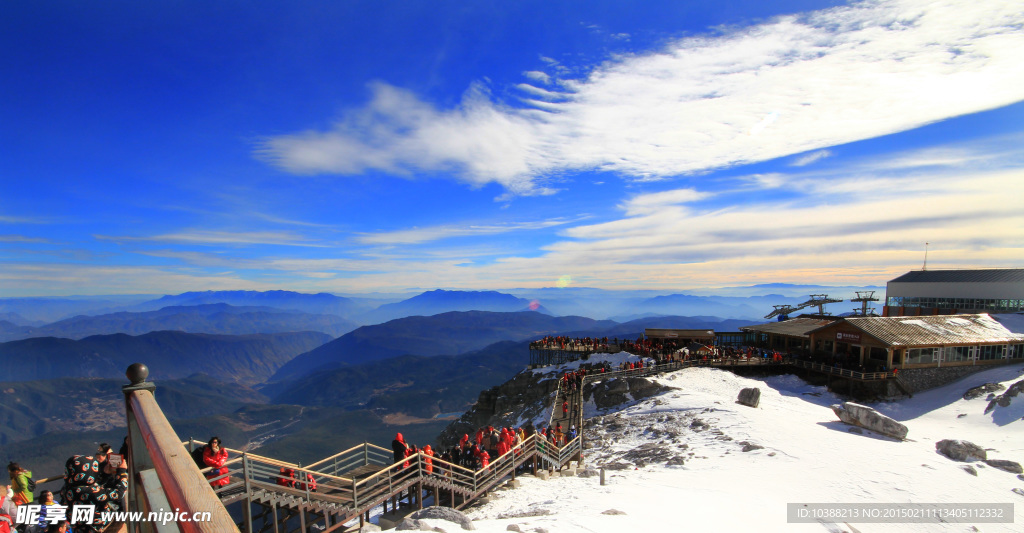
444,334
246,359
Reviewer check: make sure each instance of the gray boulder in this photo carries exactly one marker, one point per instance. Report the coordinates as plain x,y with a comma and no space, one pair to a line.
613,512
750,397
961,450
1003,400
867,418
444,513
1012,467
408,524
981,390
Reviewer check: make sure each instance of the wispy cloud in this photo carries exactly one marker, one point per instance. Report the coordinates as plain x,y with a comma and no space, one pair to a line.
645,203
7,219
538,76
24,239
792,85
434,233
201,237
812,157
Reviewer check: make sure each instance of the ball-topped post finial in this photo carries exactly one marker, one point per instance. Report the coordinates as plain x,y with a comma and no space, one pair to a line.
137,373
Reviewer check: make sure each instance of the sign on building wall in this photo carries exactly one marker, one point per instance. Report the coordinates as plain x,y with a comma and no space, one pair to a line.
842,336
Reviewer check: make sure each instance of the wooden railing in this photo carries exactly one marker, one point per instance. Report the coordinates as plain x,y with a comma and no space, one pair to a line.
162,477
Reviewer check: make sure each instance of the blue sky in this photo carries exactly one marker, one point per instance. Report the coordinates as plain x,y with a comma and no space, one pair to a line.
379,146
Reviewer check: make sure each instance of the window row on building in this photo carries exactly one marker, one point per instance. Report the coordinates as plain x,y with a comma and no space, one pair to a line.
963,353
974,304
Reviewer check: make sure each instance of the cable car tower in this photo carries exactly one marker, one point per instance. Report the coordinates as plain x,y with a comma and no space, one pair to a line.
864,297
782,311
819,301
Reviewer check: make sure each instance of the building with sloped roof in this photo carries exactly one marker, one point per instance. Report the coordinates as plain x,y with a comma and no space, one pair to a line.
946,292
921,341
789,334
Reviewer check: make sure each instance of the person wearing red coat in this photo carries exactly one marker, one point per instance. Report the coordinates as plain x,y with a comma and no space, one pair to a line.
287,477
428,452
214,456
309,480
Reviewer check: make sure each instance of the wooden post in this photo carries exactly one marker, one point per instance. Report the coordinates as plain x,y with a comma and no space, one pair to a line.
153,445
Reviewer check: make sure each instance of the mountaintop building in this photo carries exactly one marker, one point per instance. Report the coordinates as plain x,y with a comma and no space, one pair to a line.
949,292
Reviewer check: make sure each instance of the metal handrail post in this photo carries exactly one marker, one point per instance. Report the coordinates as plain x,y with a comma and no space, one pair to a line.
246,472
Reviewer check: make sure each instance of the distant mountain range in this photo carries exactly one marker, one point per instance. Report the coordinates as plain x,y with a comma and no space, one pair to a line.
321,303
220,318
246,359
441,301
450,333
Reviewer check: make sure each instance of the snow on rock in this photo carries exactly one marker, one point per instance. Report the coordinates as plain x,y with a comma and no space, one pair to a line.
446,514
867,418
807,456
982,390
961,450
1012,467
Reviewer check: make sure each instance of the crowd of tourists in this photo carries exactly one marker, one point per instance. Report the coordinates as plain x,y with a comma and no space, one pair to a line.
477,452
98,481
576,344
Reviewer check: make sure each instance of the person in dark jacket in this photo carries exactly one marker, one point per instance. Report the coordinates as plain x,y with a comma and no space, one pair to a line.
400,447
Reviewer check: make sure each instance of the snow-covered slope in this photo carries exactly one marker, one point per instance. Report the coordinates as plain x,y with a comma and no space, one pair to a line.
808,455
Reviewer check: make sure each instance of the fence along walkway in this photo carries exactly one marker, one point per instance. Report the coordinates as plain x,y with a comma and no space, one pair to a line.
351,483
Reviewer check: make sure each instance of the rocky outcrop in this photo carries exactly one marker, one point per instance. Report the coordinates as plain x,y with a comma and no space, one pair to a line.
413,521
982,390
867,418
617,391
1003,400
750,397
527,394
1012,467
961,450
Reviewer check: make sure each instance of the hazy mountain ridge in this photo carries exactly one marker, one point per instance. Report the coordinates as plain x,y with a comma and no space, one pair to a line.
421,386
246,359
219,319
441,301
449,333
320,303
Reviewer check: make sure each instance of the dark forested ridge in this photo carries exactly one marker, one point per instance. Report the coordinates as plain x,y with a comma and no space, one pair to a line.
247,359
450,333
416,385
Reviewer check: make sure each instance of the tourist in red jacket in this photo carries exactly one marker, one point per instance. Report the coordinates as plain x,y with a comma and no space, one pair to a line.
214,456
428,459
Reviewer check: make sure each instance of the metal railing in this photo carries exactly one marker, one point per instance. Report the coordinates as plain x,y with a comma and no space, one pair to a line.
842,372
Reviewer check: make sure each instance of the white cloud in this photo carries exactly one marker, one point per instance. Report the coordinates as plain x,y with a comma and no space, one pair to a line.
434,233
24,239
203,237
812,157
795,84
539,76
646,203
